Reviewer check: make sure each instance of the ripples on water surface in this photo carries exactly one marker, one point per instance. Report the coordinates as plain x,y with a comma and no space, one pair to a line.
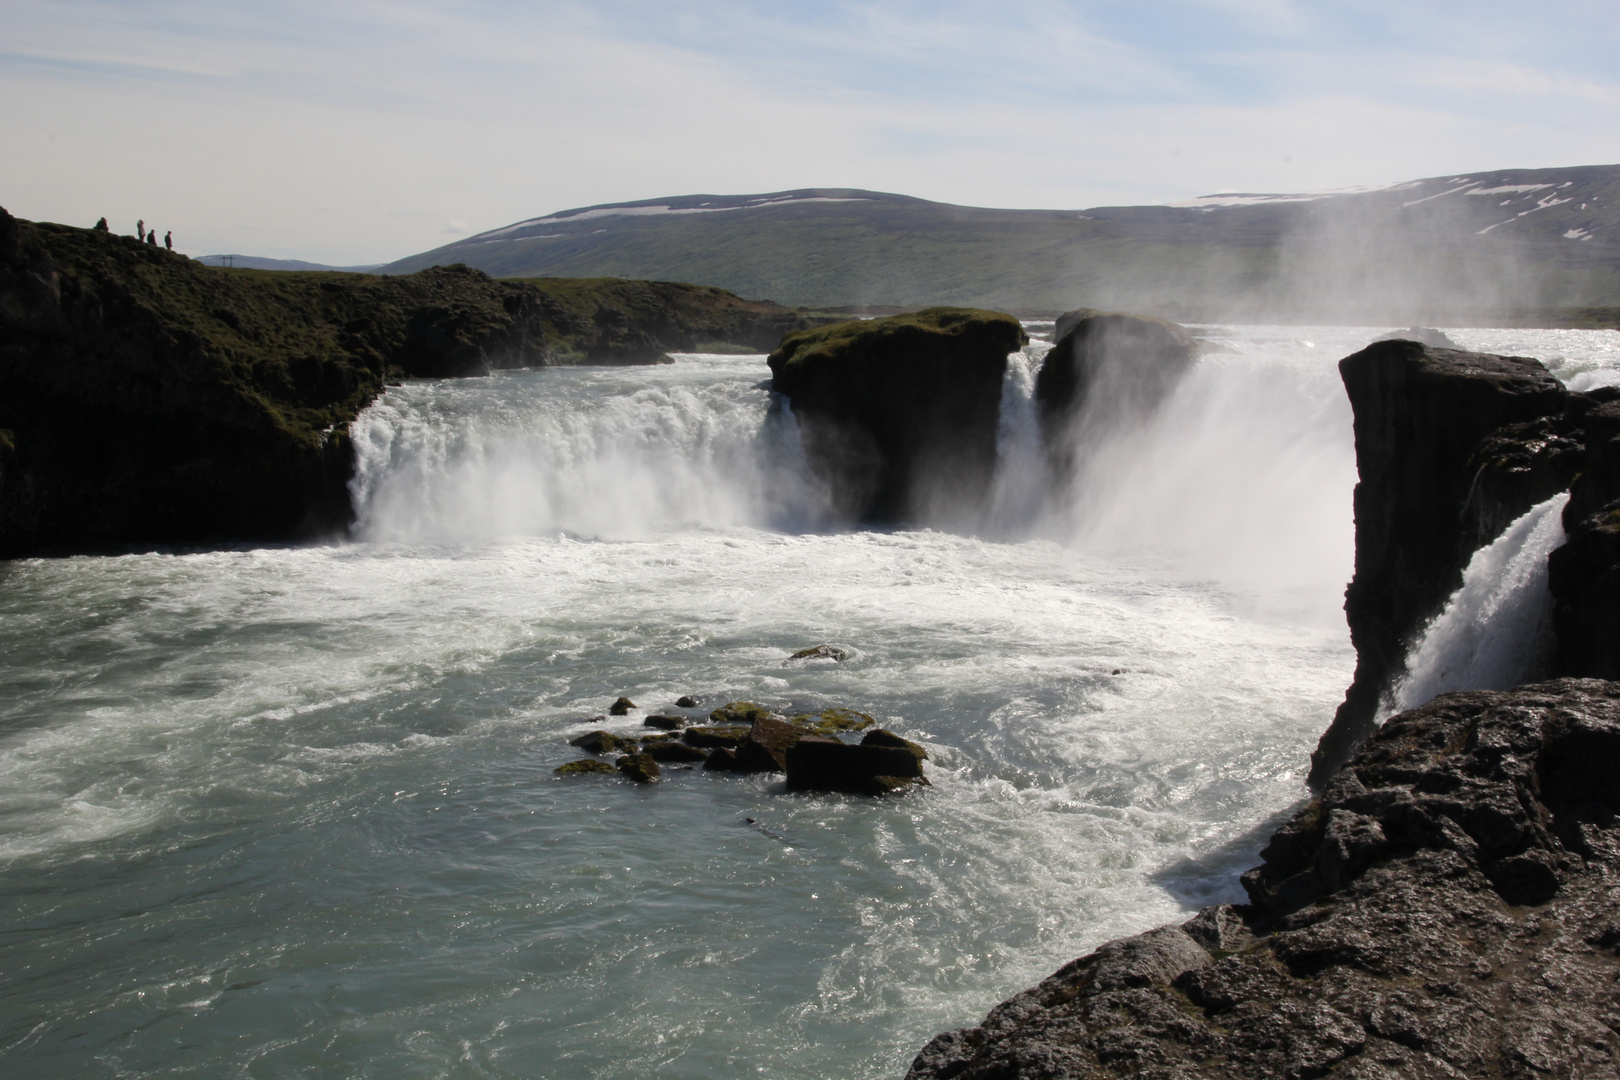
291,811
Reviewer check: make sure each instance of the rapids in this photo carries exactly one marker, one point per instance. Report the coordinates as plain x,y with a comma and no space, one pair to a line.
289,811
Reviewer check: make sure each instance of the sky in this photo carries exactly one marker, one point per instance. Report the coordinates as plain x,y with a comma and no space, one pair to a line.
359,132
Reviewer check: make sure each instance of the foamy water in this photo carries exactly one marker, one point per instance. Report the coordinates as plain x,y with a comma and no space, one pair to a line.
291,811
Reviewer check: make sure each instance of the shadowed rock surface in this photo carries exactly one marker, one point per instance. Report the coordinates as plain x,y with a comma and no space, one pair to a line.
1446,909
1584,574
1106,373
1421,417
898,416
146,398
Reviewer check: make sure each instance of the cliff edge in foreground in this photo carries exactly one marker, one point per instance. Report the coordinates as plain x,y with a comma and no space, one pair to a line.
1445,910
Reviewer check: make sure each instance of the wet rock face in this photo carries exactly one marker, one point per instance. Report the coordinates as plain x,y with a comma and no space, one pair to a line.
1422,417
1106,373
1584,574
898,416
1446,909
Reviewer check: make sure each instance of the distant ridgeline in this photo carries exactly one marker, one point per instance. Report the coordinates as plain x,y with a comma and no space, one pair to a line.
1481,249
146,398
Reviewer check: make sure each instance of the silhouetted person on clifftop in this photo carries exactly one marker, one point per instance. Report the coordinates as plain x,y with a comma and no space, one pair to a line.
168,239
151,238
101,226
140,229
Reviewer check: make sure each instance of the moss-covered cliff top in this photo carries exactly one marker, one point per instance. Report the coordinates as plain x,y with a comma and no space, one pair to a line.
866,340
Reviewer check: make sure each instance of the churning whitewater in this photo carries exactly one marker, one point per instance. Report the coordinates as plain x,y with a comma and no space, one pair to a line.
280,811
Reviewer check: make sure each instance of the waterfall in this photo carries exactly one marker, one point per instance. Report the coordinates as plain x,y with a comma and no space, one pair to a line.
1022,481
1495,632
600,452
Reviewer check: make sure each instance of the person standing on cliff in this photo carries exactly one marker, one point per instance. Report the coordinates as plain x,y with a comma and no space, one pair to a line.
140,229
101,226
151,238
168,239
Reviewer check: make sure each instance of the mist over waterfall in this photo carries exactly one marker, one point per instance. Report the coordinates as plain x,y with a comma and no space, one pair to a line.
1496,630
1022,486
603,452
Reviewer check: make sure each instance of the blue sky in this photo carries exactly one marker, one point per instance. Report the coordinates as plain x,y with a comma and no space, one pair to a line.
361,132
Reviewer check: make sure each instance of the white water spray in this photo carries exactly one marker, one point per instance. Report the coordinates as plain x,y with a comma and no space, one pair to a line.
1023,481
1495,632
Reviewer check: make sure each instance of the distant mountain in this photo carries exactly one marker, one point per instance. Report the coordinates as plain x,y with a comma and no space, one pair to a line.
254,262
1517,238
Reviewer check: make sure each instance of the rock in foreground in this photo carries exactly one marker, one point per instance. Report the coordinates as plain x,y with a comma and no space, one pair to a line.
1447,909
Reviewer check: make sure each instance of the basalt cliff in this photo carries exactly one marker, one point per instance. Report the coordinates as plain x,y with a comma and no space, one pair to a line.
147,399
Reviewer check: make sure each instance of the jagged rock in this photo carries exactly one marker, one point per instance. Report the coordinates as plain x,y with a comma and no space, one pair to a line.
1421,417
1107,373
663,722
621,707
1066,322
583,766
1445,909
602,742
898,416
1516,467
818,763
642,768
767,745
674,752
821,652
731,736
687,701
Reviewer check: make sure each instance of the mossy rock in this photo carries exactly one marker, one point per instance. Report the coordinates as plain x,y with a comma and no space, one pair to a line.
832,721
584,766
621,707
602,742
674,752
740,712
731,737
665,722
642,768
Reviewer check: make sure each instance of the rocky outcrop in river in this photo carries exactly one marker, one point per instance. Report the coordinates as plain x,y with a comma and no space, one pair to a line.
146,398
1451,447
1445,909
898,416
1107,373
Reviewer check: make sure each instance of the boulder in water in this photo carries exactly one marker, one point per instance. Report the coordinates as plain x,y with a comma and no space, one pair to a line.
602,742
822,652
722,759
767,745
641,768
664,722
584,766
883,737
818,763
621,707
740,712
674,752
1423,335
898,416
687,701
731,736
1106,374
833,721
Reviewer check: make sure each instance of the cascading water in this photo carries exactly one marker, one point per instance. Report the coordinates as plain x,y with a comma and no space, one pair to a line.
292,811
1496,630
1018,496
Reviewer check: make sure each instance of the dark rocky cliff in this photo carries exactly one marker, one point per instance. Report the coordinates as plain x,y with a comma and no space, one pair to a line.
1446,909
898,416
146,398
1451,446
1584,574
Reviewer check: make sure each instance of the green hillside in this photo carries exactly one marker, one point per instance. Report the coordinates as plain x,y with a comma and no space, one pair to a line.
1489,242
